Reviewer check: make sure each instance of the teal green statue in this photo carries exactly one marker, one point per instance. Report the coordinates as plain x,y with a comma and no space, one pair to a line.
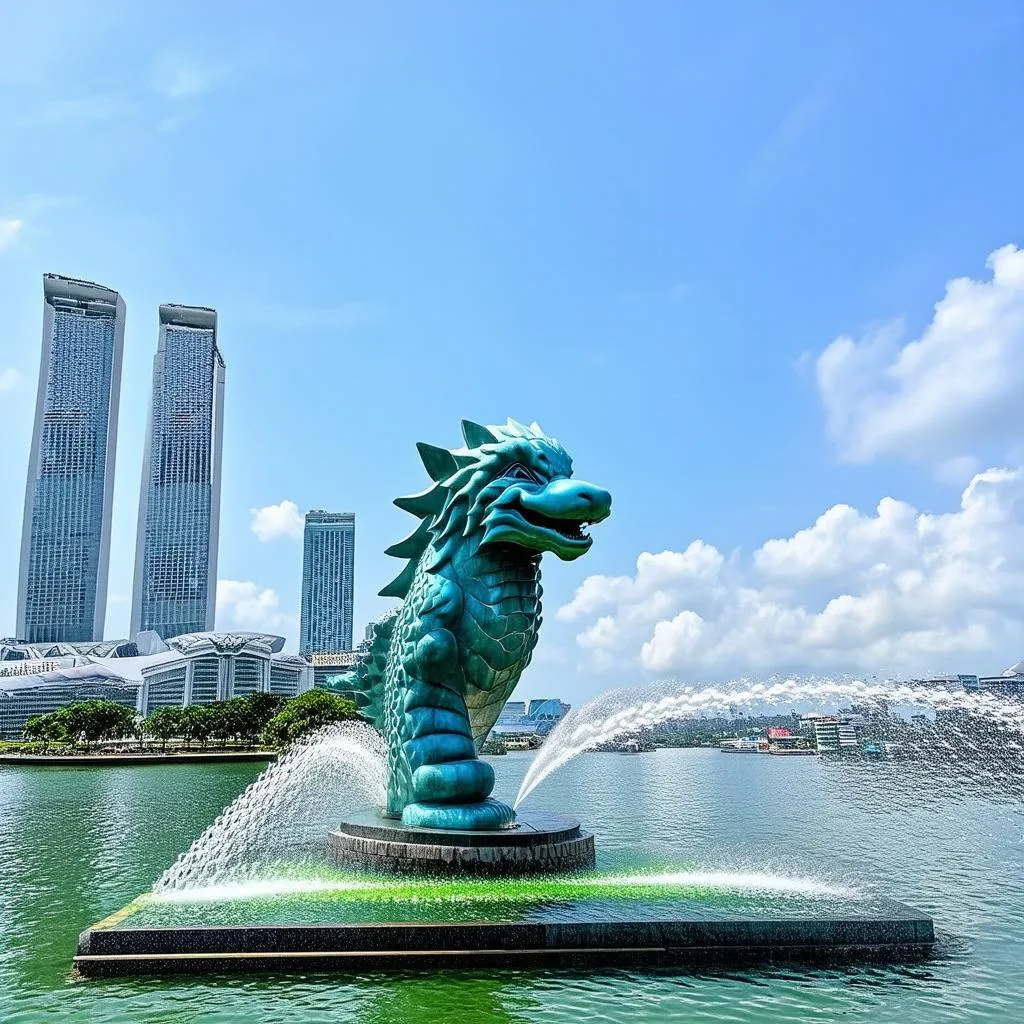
437,671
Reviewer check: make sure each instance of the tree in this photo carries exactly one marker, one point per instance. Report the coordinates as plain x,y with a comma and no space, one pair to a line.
259,709
35,730
163,723
244,718
45,729
197,723
94,720
228,720
307,713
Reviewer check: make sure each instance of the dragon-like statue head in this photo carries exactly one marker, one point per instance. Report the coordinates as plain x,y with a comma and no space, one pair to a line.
509,485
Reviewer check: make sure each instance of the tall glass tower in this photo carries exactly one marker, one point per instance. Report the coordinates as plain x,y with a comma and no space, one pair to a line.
328,562
179,508
65,543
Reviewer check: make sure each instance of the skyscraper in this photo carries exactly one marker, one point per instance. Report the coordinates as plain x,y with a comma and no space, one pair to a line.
179,508
328,561
65,544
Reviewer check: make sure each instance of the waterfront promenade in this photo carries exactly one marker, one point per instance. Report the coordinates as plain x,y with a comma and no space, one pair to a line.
103,760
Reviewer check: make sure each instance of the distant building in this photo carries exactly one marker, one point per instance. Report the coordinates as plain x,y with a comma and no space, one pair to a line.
65,546
328,570
525,720
1009,684
834,732
333,664
744,745
145,673
179,507
546,709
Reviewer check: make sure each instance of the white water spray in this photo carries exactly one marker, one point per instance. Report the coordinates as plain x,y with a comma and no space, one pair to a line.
625,711
288,809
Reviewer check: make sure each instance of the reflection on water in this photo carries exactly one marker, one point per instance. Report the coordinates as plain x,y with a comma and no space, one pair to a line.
81,844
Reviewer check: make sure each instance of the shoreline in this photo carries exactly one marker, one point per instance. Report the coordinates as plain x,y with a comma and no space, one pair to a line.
121,760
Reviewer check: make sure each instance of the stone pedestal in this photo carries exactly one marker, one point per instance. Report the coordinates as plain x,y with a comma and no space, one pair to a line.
556,937
537,842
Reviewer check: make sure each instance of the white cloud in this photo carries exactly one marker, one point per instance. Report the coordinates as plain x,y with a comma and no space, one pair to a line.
10,229
840,541
674,641
894,591
242,604
700,563
9,379
273,521
603,634
935,397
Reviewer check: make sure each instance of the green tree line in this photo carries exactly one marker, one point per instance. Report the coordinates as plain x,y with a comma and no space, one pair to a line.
257,718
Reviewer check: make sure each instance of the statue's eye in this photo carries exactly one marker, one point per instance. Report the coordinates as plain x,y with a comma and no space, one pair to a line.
518,472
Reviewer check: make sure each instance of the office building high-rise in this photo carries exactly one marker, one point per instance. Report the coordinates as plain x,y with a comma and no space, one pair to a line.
179,507
65,546
328,562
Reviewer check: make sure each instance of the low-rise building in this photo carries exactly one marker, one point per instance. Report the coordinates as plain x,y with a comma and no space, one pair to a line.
546,709
519,736
1008,684
526,723
334,664
834,732
147,673
513,712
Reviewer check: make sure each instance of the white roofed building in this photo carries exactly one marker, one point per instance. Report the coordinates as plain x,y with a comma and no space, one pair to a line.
147,673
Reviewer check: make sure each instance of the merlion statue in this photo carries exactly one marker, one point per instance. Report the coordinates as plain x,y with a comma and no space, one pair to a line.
437,671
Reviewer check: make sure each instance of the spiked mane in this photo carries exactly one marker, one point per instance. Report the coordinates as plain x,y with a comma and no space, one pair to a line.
452,507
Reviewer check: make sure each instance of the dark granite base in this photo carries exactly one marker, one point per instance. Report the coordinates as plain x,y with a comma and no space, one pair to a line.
539,842
901,934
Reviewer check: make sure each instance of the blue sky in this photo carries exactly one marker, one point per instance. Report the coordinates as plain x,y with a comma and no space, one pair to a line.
648,227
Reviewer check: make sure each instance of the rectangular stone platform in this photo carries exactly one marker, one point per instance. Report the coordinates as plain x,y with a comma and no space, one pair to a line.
896,933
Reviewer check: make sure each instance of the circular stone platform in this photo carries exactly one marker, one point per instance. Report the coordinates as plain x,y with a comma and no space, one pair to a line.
538,842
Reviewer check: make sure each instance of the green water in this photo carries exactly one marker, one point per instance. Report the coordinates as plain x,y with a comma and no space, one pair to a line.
643,895
79,844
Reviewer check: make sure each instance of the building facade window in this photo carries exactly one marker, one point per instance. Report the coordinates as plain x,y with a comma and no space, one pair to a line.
284,681
165,689
205,676
247,675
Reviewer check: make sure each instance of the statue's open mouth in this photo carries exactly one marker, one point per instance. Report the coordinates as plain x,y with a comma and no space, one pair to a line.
569,529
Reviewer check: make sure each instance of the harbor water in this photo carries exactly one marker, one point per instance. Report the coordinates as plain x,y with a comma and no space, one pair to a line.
81,843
